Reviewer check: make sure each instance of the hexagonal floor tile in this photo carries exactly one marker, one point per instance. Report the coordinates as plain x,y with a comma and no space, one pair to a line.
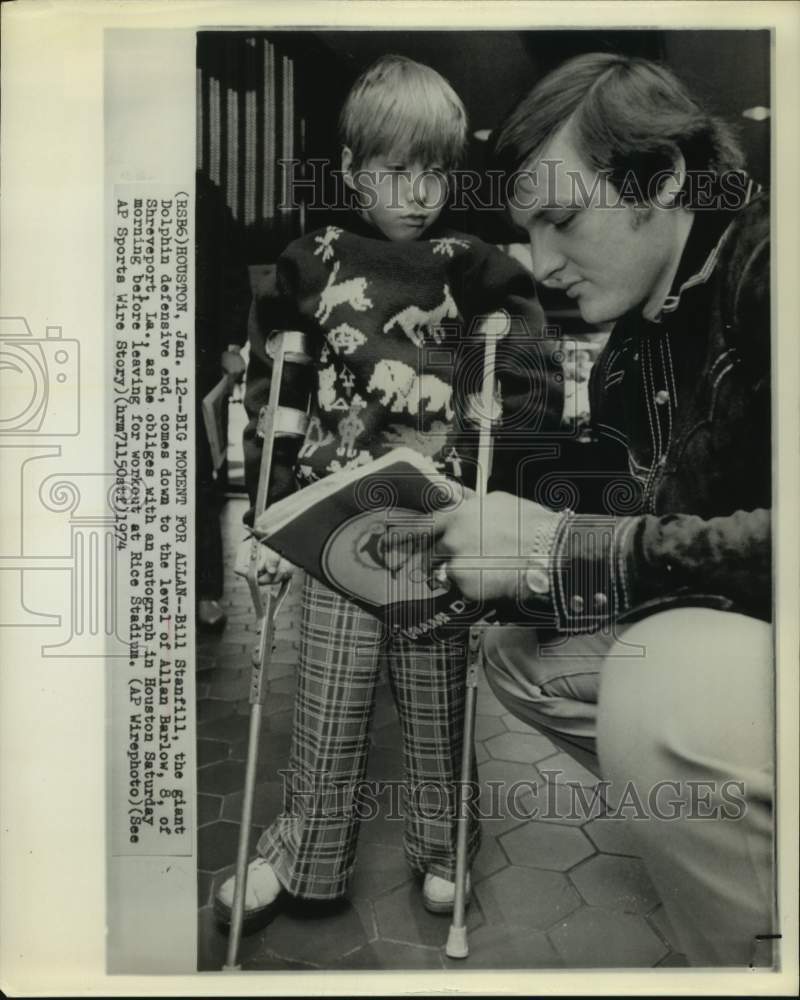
487,704
490,858
616,883
267,803
232,728
221,778
211,751
566,769
523,748
505,787
488,725
598,938
386,826
492,947
569,804
273,753
379,868
208,808
211,709
385,765
204,883
387,736
659,919
526,897
402,917
675,960
543,845
314,933
217,844
281,722
391,955
212,944
613,835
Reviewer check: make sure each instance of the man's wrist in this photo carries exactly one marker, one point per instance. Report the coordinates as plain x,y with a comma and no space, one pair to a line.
536,582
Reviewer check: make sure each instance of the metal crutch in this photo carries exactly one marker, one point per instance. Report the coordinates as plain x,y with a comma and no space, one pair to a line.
495,328
275,420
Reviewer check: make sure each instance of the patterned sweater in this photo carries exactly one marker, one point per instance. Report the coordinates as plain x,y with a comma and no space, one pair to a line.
397,337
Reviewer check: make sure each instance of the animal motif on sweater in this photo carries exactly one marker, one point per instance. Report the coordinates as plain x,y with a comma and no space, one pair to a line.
352,292
404,391
415,323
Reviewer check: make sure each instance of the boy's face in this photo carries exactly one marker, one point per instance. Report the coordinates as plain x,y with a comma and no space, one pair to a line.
402,199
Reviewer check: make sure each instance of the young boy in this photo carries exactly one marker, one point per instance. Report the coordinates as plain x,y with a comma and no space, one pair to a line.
390,298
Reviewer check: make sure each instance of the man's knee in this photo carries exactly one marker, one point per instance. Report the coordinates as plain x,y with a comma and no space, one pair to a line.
508,659
554,694
701,690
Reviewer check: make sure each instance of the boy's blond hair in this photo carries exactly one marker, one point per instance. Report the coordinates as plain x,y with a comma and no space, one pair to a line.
402,107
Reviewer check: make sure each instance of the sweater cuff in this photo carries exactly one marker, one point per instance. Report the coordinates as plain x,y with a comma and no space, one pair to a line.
590,582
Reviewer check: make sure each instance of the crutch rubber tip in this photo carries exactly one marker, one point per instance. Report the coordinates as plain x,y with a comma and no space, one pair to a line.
231,968
457,946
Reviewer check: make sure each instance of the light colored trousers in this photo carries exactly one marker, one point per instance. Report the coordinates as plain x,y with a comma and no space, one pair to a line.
686,697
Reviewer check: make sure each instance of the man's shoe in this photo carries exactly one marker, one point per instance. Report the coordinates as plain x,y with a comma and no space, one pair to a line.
210,616
263,892
439,895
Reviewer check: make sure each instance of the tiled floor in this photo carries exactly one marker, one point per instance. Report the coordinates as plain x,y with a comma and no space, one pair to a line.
561,890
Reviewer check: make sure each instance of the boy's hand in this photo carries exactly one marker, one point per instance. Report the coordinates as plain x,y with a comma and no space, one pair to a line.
271,567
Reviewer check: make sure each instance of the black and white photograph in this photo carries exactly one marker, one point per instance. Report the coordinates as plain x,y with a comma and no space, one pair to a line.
399,437
606,194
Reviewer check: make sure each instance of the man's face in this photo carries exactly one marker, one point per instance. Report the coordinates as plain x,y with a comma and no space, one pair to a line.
609,258
400,198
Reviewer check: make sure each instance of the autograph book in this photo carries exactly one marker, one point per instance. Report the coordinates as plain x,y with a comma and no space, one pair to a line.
367,533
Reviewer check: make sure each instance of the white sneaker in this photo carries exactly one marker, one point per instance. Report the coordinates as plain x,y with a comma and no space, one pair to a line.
439,895
263,889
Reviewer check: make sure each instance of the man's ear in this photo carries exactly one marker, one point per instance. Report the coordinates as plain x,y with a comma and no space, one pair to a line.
672,185
347,166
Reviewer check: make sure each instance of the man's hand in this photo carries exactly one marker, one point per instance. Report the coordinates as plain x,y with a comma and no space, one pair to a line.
271,567
487,541
233,363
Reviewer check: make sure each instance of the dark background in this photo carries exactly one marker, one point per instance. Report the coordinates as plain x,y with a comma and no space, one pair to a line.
259,90
490,70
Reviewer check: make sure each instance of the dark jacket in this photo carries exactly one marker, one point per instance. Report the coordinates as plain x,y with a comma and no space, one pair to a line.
688,399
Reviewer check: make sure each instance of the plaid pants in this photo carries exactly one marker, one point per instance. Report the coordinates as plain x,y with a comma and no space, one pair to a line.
312,844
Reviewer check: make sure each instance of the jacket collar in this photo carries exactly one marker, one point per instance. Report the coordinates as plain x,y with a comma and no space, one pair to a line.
708,234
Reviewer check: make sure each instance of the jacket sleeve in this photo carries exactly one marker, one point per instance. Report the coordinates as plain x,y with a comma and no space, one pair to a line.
604,568
273,308
610,568
527,366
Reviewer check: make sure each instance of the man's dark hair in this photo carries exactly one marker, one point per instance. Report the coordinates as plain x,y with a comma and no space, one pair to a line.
630,117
